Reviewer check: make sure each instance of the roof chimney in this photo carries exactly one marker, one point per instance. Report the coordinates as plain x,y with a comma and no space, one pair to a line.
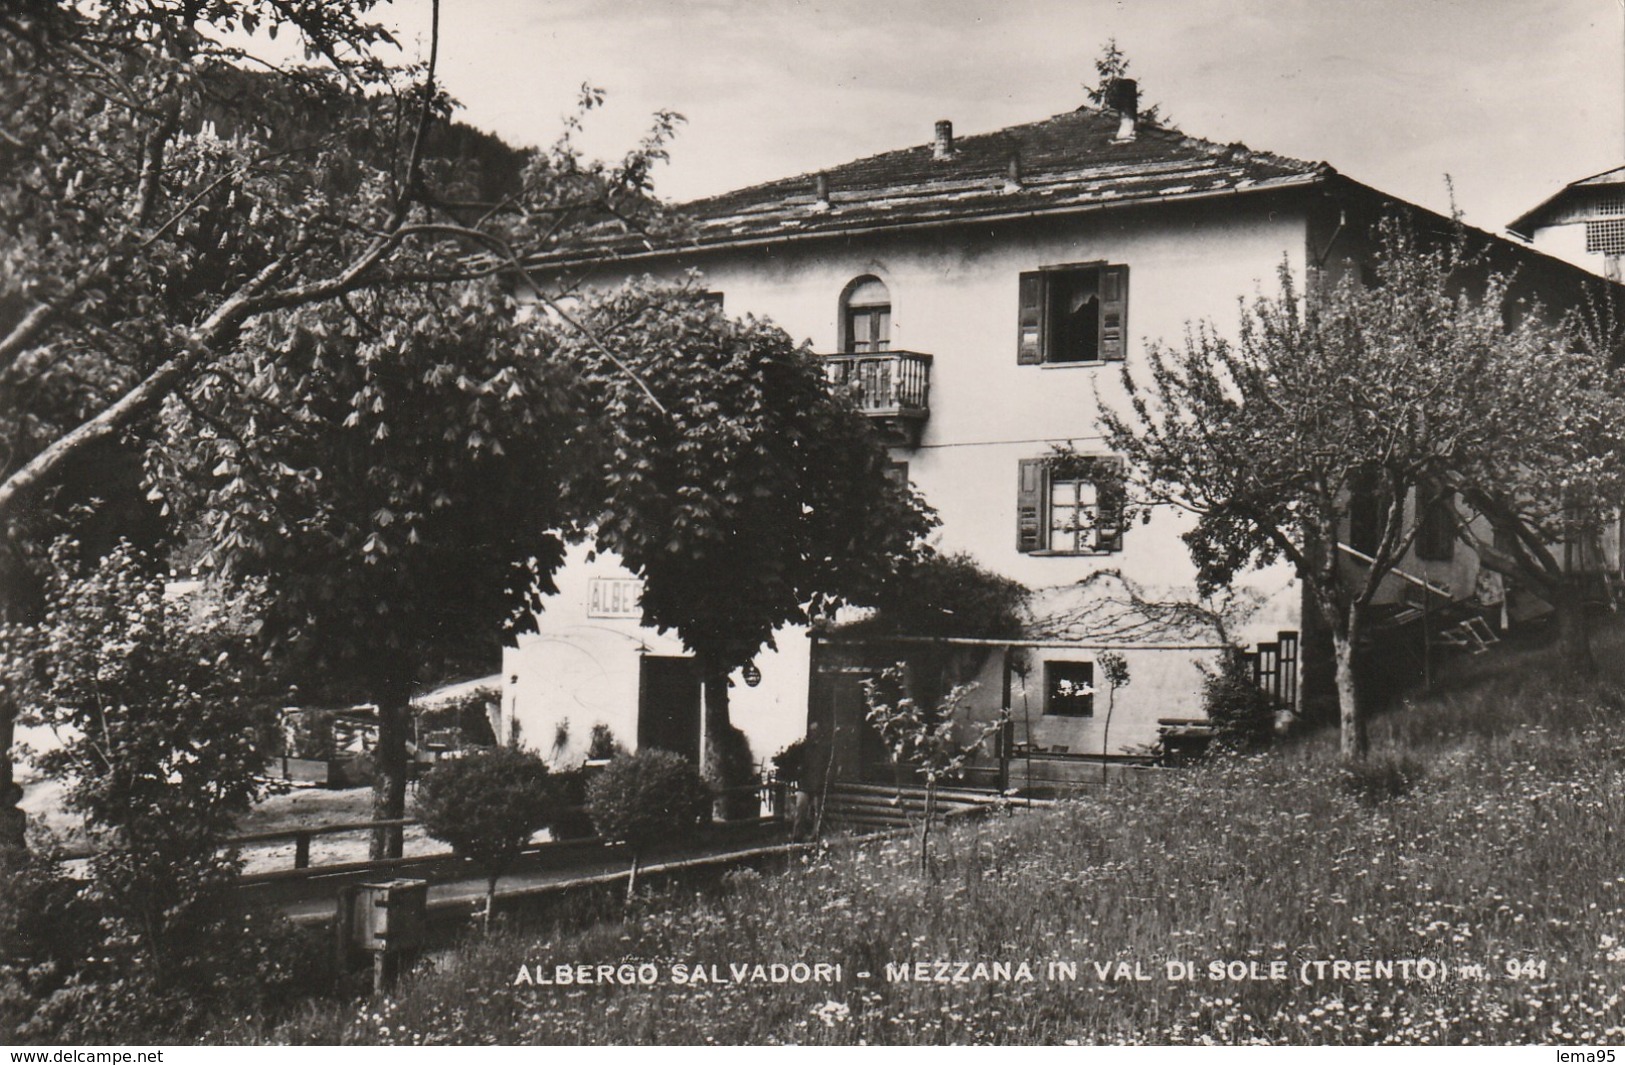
943,146
821,190
1012,181
1123,96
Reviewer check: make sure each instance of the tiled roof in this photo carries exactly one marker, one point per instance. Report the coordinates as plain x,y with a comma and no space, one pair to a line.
1615,176
1071,161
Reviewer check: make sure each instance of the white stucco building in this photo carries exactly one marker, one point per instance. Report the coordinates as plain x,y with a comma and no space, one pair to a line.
980,296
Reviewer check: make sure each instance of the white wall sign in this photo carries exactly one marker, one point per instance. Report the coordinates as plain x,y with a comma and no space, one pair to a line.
614,597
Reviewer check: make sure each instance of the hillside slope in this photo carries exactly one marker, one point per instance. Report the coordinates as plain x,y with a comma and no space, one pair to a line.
1466,888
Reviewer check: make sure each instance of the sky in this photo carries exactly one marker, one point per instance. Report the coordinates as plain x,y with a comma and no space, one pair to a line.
1511,98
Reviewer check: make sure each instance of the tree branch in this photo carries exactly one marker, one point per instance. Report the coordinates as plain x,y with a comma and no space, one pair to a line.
138,401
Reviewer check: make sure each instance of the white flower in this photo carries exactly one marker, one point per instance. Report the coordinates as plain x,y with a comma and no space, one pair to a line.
832,1012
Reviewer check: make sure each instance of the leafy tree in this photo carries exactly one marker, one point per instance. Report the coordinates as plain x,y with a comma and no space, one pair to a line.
389,470
487,806
1113,669
1556,484
1110,65
924,736
162,705
1373,388
748,495
165,190
650,797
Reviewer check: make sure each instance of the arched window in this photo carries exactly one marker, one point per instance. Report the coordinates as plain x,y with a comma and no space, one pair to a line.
866,316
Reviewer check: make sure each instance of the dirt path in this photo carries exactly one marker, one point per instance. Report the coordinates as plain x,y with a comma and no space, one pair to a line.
465,894
298,808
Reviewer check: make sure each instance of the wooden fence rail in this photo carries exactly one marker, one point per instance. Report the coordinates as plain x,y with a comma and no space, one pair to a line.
772,794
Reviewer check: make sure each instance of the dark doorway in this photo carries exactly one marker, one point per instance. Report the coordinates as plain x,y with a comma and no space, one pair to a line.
669,705
839,706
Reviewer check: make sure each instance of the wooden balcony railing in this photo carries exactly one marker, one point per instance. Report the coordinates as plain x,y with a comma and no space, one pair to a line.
891,386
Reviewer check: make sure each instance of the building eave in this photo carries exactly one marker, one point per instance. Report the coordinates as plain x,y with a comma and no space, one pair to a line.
958,218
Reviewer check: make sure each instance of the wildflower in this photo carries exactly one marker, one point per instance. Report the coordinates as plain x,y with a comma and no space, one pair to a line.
832,1012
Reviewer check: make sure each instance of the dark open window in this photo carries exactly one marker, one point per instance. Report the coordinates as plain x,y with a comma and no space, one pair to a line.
1069,689
866,316
1071,314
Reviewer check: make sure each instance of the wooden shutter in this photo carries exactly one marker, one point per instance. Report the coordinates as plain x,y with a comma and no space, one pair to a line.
1111,496
1030,506
1113,312
1030,320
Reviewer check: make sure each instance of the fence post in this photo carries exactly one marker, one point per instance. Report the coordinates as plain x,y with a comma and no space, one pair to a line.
1007,740
301,851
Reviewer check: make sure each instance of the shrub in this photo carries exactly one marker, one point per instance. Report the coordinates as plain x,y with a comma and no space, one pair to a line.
46,933
790,764
72,964
602,744
166,709
737,763
258,967
1242,714
644,798
487,806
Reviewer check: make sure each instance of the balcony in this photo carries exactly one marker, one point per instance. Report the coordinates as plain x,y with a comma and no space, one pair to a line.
892,387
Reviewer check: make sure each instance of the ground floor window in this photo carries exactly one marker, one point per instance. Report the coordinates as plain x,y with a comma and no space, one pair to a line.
1069,689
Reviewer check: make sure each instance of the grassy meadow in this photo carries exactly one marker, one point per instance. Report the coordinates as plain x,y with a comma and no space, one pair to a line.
1487,836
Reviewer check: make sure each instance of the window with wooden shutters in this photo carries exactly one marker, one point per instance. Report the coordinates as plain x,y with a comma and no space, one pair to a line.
1070,506
1030,341
1030,506
1073,314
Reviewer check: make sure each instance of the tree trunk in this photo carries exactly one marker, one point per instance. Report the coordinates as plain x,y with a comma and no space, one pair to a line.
1317,665
1106,732
390,766
1354,743
717,719
723,770
632,881
490,901
1573,627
